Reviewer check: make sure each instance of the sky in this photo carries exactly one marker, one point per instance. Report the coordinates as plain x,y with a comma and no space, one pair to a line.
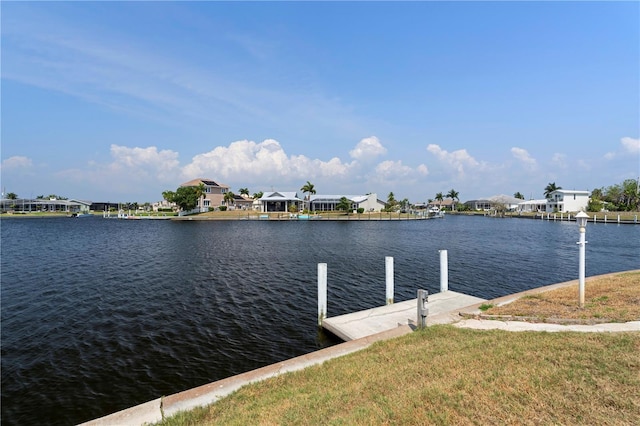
120,101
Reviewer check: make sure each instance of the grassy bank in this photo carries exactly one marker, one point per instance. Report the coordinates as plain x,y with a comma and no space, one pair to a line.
446,375
616,299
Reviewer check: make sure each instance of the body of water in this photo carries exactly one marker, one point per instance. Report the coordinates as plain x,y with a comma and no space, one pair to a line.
99,315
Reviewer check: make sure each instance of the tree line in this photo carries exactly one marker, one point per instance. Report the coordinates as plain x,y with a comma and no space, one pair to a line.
624,196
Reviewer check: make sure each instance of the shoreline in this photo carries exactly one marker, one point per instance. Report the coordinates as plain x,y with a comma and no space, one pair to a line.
621,218
158,409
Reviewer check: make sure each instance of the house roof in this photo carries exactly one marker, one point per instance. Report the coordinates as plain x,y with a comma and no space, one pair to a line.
207,182
337,197
444,202
534,202
505,199
570,191
280,196
242,199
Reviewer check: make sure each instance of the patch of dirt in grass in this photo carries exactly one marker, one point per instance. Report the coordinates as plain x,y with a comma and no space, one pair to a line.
614,298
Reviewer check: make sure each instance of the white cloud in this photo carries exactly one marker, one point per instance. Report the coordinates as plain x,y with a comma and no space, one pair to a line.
631,145
459,160
368,149
523,156
242,159
423,170
149,158
16,162
393,170
395,173
132,171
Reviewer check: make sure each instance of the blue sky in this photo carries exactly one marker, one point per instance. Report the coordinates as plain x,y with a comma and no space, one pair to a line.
119,101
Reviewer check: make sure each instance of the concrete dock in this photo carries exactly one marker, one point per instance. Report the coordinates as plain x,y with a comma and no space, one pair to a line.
377,320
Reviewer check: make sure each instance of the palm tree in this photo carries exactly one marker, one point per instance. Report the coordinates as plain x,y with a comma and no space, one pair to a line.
391,202
453,194
244,191
518,196
630,194
344,204
439,198
308,189
257,195
229,197
550,188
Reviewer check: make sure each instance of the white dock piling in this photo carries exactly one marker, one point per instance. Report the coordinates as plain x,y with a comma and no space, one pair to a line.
388,263
322,292
444,271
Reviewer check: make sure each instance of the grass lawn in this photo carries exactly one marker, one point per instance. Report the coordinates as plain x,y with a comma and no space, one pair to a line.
444,375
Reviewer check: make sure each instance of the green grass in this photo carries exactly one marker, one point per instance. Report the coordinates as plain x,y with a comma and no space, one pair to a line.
485,306
446,375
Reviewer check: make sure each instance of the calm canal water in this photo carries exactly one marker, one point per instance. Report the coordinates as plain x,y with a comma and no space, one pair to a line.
99,315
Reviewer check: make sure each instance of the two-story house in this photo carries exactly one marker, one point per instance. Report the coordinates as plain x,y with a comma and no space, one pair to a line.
213,193
567,200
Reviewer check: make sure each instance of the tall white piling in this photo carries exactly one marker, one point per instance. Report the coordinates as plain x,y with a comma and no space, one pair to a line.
322,292
388,267
444,271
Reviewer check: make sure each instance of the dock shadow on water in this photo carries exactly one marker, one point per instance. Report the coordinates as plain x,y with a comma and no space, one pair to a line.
100,315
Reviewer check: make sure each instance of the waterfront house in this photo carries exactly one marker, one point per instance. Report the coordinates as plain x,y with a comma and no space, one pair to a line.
213,193
480,204
369,202
52,205
532,206
567,200
279,201
445,204
242,202
496,202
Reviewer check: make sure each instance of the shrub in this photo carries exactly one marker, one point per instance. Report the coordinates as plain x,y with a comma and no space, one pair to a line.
222,208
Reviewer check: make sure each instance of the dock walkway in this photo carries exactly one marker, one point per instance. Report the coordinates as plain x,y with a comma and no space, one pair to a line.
376,320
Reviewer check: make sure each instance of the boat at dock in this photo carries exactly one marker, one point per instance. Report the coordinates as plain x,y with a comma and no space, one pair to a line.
81,215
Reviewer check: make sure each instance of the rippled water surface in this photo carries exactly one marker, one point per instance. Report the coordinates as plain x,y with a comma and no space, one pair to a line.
99,315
